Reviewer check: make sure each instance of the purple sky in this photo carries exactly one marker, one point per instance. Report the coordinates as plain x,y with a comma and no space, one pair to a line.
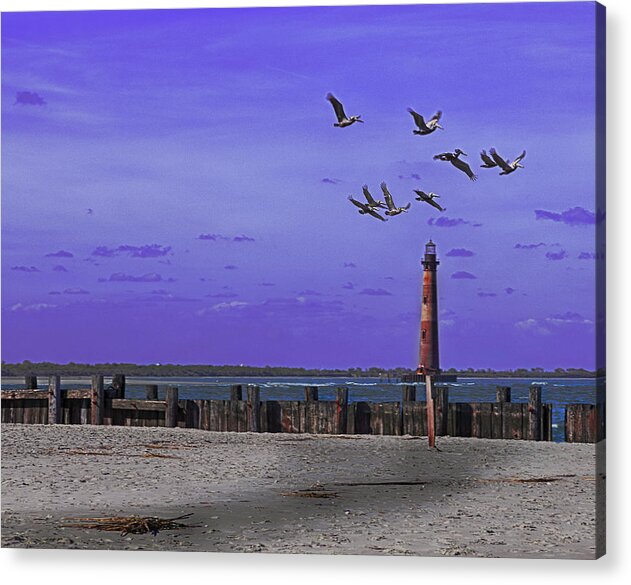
173,189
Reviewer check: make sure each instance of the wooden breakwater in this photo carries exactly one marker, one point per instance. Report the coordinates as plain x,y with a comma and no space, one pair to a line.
241,411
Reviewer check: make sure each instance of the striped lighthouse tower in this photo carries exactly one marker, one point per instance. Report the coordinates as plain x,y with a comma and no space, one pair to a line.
428,361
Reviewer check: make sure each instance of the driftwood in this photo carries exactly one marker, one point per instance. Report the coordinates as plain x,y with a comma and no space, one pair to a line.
128,524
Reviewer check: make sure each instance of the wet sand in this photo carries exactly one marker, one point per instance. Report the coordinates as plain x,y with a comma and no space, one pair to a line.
299,493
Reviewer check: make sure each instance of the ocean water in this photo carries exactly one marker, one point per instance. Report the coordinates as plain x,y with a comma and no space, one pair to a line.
557,391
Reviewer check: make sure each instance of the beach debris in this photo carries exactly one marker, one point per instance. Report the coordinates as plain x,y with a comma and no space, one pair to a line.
507,167
342,119
392,208
425,127
129,524
456,161
366,209
317,490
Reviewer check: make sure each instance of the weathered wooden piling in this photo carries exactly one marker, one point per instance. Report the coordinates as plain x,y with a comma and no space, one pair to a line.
254,408
431,430
441,409
409,393
151,392
30,382
97,400
502,394
311,393
171,412
54,400
118,384
236,392
341,401
534,413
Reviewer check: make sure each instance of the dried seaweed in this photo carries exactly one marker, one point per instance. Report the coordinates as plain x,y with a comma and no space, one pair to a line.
129,524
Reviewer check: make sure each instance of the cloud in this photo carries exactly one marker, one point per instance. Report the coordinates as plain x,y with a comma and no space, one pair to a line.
54,292
509,291
573,216
461,274
449,222
461,252
350,265
243,238
149,277
29,98
25,268
60,268
331,181
529,246
553,323
567,318
33,307
310,293
447,313
218,237
230,267
414,176
560,255
587,256
223,295
76,291
228,306
349,285
486,294
60,254
532,326
145,251
212,237
267,284
376,292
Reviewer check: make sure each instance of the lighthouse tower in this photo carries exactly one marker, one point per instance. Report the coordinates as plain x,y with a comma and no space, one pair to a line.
428,362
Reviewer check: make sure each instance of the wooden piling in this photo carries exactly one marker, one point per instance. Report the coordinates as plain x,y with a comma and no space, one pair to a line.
341,401
54,400
429,393
534,413
409,393
30,382
254,409
502,394
97,400
171,413
118,384
151,392
236,392
441,409
311,393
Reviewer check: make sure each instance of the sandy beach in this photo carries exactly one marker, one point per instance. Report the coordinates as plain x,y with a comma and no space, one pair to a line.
257,492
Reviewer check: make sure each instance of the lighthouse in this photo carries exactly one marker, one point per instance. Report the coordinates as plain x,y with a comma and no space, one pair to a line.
428,360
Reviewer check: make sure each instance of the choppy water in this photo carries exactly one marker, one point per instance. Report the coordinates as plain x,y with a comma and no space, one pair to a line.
557,391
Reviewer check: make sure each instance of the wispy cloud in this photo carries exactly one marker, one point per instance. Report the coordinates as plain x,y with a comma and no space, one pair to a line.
76,291
220,237
509,290
350,265
33,307
123,277
448,222
376,292
486,294
529,246
25,268
60,268
331,181
573,216
230,267
553,323
414,176
461,252
60,254
145,251
222,295
29,98
243,238
267,284
560,255
463,275
587,256
349,285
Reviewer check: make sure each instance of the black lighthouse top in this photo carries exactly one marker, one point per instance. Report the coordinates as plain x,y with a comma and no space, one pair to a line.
429,260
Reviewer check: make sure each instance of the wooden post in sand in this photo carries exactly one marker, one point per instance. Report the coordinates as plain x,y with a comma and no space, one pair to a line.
97,400
54,400
254,409
441,408
502,394
236,392
341,403
118,383
431,431
409,393
171,413
311,393
534,413
151,392
30,382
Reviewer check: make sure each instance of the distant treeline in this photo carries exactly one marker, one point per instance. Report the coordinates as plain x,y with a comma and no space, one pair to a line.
74,369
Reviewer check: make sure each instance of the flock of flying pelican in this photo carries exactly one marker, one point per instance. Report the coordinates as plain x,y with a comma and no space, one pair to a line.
491,160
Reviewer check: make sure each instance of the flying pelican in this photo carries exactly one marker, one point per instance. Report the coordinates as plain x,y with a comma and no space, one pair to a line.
372,203
507,168
428,198
489,163
342,119
365,209
392,208
453,158
426,127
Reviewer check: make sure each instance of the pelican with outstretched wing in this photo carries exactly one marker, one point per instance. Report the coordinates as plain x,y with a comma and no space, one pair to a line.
456,161
342,119
365,209
425,127
372,202
392,208
428,198
506,167
489,163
